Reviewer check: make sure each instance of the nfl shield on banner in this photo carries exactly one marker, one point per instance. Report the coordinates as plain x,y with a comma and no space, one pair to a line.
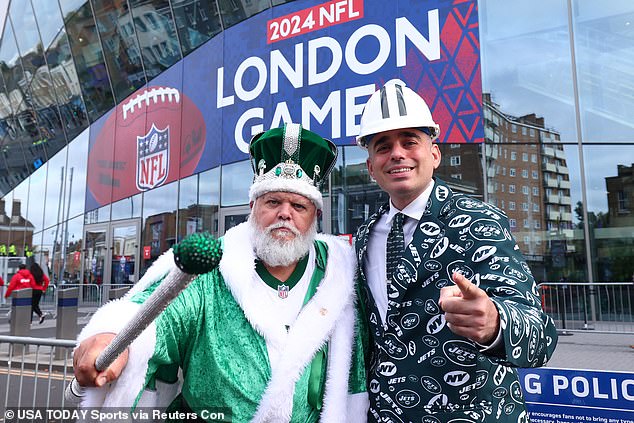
152,158
282,291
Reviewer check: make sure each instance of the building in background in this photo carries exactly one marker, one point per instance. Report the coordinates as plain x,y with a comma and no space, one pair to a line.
120,120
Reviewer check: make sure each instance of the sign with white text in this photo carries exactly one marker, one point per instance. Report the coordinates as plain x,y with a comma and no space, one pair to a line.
571,396
307,61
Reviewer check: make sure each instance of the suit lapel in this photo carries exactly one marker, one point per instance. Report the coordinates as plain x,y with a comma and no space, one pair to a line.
361,246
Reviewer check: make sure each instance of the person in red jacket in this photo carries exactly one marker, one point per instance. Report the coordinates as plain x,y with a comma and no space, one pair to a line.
21,280
40,284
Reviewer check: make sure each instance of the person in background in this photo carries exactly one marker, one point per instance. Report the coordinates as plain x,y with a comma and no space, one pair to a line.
451,304
21,280
39,286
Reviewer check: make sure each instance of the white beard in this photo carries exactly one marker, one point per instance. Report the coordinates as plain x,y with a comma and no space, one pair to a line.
276,252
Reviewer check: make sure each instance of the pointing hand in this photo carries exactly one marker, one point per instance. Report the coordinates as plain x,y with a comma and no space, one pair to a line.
469,311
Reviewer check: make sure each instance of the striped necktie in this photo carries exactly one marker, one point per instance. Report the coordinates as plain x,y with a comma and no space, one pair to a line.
395,245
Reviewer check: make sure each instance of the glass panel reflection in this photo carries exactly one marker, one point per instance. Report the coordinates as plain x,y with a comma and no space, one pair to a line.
155,30
63,80
199,203
355,196
236,180
604,47
17,120
159,222
37,84
540,78
71,253
234,11
88,57
531,175
196,22
127,208
124,253
95,252
121,47
610,185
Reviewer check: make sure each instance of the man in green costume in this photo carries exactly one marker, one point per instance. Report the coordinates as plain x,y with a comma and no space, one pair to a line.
268,336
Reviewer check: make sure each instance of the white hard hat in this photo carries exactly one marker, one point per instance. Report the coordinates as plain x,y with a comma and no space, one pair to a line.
395,106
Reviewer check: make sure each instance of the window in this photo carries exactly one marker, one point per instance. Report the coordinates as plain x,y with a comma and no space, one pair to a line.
503,188
526,223
534,174
534,158
535,207
527,239
525,190
454,145
513,155
454,160
532,133
512,172
535,191
457,176
512,223
503,171
511,205
623,203
524,173
514,128
512,189
524,130
502,204
524,157
525,207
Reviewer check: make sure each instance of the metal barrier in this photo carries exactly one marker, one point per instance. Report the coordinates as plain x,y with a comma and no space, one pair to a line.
34,379
602,307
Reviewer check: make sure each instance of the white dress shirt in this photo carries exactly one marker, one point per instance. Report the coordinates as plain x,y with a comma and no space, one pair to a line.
374,262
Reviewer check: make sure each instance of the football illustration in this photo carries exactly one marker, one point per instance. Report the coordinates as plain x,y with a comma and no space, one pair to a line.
154,137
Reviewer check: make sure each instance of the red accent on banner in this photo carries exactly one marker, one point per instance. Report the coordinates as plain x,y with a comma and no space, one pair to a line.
147,252
313,18
76,256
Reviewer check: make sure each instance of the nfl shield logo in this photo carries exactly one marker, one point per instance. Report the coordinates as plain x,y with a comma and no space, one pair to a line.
282,291
153,153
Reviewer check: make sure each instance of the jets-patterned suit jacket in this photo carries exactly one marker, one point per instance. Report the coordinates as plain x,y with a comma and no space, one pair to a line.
420,371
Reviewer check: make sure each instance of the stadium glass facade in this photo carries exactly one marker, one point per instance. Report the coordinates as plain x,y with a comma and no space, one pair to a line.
557,113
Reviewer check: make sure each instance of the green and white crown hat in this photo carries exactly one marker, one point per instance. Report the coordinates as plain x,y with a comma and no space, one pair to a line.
291,159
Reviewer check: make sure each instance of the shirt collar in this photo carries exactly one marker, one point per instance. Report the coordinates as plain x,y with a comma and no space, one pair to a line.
415,209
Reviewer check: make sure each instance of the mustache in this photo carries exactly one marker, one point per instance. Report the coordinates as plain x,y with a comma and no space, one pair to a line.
284,225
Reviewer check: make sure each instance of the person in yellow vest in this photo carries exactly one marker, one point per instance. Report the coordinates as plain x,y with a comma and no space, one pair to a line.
3,250
12,250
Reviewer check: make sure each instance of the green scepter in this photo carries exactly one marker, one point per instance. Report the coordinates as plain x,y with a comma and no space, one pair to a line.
196,254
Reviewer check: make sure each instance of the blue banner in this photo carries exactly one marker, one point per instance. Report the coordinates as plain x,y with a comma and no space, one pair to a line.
570,396
307,61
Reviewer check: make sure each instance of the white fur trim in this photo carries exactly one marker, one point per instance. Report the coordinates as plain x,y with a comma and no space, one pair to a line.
123,392
331,305
339,357
358,406
287,185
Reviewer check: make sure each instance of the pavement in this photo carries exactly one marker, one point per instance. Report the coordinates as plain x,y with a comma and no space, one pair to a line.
583,350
